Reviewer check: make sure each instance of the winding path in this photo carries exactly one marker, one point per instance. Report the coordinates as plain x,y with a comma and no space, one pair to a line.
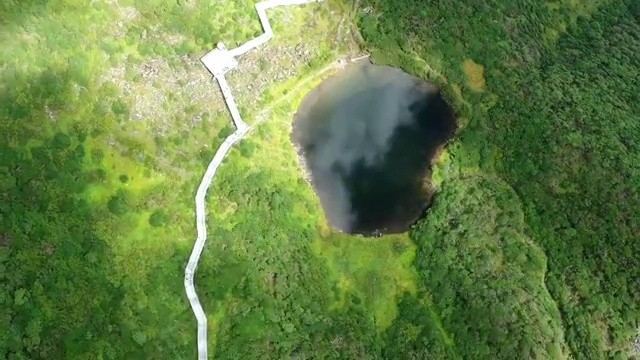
220,61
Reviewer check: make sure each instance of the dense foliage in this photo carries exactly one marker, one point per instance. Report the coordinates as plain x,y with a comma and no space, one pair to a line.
107,121
486,277
555,117
62,295
105,129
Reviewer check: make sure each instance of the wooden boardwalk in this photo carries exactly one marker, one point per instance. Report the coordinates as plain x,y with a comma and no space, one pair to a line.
219,62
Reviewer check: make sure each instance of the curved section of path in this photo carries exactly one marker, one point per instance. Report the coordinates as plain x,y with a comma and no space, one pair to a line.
202,237
220,61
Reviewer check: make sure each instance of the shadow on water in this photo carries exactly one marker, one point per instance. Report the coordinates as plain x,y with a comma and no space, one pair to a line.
368,138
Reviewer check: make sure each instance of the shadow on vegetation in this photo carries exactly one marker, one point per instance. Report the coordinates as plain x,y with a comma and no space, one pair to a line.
15,13
61,295
56,259
368,138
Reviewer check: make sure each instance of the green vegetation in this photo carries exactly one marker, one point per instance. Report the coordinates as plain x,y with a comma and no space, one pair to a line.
549,97
481,269
107,121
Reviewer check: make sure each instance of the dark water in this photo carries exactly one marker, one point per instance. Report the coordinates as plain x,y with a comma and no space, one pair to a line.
368,137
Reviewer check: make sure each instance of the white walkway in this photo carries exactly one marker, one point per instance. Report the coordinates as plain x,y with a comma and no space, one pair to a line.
219,61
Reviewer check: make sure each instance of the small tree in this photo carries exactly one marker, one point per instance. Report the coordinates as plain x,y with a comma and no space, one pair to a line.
158,218
119,203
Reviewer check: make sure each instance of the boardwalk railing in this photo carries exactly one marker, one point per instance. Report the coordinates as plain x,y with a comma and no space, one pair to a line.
218,62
